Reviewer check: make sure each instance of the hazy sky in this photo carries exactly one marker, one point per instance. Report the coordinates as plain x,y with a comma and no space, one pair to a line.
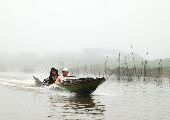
71,25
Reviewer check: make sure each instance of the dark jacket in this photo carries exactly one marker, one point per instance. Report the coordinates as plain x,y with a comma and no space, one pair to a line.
50,80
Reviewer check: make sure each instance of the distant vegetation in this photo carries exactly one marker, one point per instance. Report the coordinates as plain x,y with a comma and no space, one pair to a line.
139,69
89,61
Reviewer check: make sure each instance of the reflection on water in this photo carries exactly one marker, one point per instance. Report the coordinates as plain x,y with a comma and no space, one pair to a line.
84,107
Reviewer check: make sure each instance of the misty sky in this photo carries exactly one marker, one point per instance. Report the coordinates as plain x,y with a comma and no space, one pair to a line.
70,25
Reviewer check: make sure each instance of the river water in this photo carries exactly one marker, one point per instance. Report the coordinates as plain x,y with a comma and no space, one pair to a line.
119,100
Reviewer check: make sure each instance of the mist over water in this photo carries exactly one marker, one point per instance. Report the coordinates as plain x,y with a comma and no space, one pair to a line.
125,41
133,95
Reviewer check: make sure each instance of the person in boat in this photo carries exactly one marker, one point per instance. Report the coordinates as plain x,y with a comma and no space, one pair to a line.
65,72
53,76
60,79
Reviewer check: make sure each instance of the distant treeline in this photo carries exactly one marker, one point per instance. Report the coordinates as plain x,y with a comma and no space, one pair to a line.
89,63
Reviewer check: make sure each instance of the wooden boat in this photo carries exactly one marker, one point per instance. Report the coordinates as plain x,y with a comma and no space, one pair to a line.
78,86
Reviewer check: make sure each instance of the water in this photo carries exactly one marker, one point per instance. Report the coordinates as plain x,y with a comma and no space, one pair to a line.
119,100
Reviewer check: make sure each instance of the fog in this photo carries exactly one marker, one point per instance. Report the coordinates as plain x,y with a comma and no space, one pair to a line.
88,61
41,26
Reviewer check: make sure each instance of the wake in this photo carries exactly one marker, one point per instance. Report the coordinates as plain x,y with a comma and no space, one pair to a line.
25,81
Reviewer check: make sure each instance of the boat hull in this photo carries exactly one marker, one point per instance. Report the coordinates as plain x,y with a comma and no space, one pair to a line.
78,86
83,86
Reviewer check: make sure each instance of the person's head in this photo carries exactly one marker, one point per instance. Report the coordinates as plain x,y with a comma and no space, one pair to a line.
65,72
53,72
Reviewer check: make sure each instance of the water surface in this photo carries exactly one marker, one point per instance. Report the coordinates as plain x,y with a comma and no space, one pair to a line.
120,100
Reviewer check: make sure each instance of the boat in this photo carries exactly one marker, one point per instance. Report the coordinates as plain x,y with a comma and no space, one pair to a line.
77,85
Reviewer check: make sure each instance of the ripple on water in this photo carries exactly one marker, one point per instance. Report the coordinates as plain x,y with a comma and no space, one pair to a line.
120,100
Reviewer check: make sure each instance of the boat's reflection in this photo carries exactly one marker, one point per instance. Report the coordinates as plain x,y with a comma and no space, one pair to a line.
87,103
80,106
